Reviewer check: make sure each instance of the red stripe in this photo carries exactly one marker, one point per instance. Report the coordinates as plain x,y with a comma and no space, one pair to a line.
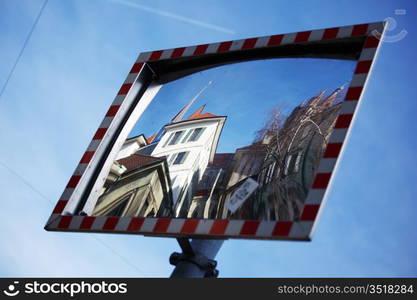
59,207
110,223
136,67
359,29
321,181
219,226
177,52
353,93
343,121
249,227
86,157
363,66
64,222
275,40
135,224
162,225
72,183
100,133
124,89
112,110
87,222
309,212
330,33
225,46
302,37
201,49
282,229
155,55
332,150
249,43
371,42
189,226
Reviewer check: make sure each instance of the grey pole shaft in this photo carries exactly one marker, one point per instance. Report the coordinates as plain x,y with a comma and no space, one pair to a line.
207,248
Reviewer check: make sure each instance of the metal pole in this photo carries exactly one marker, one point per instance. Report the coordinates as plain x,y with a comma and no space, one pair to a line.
197,259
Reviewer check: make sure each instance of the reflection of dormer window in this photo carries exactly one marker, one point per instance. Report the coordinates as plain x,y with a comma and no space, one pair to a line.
196,134
176,137
178,158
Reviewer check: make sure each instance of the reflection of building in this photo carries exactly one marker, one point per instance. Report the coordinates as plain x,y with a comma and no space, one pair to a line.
282,160
158,176
189,146
142,189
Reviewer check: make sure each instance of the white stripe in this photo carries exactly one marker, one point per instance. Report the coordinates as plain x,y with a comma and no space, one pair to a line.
189,51
144,56
148,225
53,221
118,100
212,48
262,41
106,122
326,165
315,196
93,145
316,35
288,38
203,226
80,169
265,228
123,224
367,54
234,227
301,230
166,54
131,77
348,107
175,226
236,45
358,79
66,194
345,31
338,135
379,27
76,222
99,223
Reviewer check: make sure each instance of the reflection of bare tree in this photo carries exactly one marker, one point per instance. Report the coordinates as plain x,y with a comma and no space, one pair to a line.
291,147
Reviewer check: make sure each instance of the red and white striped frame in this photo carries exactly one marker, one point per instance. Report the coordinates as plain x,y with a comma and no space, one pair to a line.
209,228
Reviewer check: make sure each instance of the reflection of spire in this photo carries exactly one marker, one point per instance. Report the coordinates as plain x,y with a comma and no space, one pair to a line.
333,95
184,110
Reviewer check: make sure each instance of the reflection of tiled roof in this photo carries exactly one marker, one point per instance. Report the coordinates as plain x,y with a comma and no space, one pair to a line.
137,160
257,146
151,138
199,115
221,159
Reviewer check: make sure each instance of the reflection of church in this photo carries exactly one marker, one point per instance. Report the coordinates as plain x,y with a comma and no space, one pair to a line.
283,160
157,177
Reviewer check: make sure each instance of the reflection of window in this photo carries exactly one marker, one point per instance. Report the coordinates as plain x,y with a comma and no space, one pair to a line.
118,209
180,158
297,162
175,139
196,134
167,140
184,140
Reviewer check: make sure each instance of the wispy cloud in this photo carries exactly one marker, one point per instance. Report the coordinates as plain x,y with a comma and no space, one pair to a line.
174,16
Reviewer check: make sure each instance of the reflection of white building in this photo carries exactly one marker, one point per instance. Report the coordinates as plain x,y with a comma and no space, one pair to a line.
189,146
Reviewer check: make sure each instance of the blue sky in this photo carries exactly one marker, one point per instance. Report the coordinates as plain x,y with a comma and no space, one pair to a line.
74,64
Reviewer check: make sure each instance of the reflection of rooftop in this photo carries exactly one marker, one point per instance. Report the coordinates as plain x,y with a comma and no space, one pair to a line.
135,161
221,159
